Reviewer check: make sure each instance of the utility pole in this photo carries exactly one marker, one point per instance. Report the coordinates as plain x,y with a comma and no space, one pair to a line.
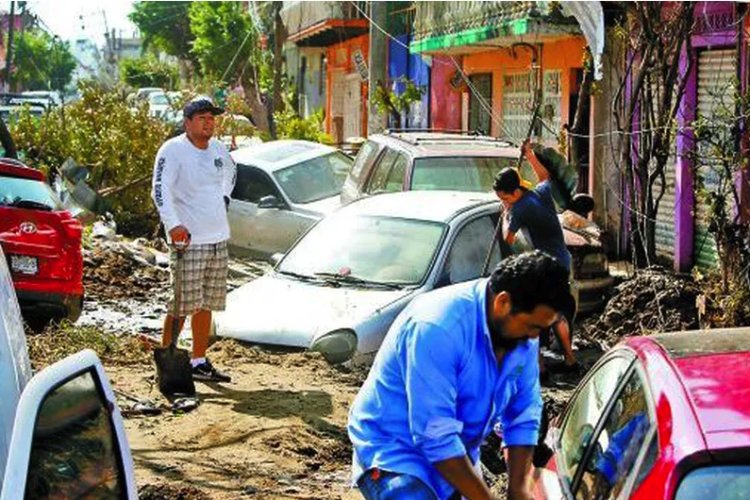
376,122
9,52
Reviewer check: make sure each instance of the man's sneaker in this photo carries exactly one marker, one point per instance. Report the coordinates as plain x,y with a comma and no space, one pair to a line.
207,373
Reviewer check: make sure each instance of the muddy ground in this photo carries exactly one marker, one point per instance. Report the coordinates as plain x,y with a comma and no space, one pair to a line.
278,430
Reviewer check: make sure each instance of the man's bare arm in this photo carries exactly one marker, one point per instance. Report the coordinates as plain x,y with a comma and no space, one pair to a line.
519,459
459,472
541,172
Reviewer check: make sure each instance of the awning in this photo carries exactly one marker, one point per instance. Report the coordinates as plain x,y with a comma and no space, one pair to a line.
471,36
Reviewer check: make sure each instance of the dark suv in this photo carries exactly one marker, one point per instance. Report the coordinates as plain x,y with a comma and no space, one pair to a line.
404,161
42,243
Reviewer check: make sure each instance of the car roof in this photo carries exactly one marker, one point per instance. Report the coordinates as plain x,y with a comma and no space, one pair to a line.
275,155
434,206
14,168
432,144
714,368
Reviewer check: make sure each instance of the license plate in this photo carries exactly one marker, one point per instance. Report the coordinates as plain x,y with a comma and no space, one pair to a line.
24,264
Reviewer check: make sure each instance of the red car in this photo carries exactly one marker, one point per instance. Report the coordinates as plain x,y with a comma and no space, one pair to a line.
661,417
42,243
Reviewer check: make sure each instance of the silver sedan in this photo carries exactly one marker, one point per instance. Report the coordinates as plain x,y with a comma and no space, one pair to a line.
282,188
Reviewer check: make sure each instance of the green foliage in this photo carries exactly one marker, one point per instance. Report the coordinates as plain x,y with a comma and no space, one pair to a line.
224,38
148,71
41,62
165,26
118,144
396,104
291,126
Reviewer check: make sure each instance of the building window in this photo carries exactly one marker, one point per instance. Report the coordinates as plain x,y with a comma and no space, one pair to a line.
518,101
551,110
480,103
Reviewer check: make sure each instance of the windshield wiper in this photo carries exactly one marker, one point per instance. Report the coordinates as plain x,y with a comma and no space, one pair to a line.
19,203
355,280
301,277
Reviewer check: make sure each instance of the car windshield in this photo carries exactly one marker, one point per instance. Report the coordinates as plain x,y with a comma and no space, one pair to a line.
314,179
459,173
374,249
27,193
158,99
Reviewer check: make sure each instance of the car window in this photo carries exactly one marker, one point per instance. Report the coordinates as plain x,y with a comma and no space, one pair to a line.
74,451
366,155
715,482
28,193
379,174
252,184
613,456
469,250
394,181
460,173
378,249
314,179
584,413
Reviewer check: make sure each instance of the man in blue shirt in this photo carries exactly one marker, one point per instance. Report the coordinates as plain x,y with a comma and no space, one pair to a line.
534,211
455,362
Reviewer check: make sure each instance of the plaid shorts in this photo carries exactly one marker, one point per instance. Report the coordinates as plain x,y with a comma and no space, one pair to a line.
203,273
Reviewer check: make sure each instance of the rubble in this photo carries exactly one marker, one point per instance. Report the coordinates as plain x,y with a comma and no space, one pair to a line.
653,301
116,268
170,492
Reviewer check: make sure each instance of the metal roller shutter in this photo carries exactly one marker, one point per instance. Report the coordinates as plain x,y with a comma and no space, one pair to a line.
716,70
665,216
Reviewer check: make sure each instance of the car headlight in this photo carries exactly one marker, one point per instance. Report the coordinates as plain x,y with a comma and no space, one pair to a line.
337,346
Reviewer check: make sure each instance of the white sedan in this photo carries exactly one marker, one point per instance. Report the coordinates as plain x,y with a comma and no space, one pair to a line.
283,187
341,286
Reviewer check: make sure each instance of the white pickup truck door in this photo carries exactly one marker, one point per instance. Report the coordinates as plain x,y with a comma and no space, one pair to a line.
68,437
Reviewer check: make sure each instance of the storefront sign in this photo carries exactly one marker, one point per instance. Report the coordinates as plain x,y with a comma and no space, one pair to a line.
361,64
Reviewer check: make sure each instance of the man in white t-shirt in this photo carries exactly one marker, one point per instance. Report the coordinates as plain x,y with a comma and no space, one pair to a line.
193,178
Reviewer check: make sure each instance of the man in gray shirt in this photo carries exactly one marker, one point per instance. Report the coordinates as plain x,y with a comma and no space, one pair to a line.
534,211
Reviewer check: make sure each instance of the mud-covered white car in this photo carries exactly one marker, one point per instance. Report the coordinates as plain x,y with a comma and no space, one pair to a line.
342,284
282,188
61,432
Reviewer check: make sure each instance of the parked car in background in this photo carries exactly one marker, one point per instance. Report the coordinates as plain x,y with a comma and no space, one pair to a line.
660,417
52,97
61,431
282,188
342,284
158,105
143,92
10,113
420,161
42,242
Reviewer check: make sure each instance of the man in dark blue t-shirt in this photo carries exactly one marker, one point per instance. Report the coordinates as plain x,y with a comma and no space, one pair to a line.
534,211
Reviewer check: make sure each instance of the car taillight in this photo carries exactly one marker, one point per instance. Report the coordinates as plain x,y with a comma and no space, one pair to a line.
73,229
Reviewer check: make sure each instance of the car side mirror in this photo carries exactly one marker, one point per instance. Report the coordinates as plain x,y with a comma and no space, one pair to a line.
69,436
270,201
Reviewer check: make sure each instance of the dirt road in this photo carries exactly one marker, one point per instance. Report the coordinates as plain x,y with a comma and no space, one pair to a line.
277,431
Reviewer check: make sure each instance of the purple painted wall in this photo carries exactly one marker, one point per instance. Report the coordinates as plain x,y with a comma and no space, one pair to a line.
716,28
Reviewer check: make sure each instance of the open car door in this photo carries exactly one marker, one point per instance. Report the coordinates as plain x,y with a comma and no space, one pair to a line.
68,438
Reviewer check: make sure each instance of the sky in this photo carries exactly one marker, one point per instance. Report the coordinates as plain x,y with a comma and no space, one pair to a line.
63,18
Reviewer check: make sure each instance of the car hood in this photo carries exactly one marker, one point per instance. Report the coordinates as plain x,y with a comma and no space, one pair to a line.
281,311
321,207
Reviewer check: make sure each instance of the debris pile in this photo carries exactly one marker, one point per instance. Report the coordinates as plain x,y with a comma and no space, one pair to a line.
653,301
58,342
170,492
117,269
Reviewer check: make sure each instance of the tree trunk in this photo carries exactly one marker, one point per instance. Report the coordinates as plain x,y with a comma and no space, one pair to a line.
279,37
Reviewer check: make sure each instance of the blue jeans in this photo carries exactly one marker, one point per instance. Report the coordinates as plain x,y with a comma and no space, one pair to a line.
393,486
